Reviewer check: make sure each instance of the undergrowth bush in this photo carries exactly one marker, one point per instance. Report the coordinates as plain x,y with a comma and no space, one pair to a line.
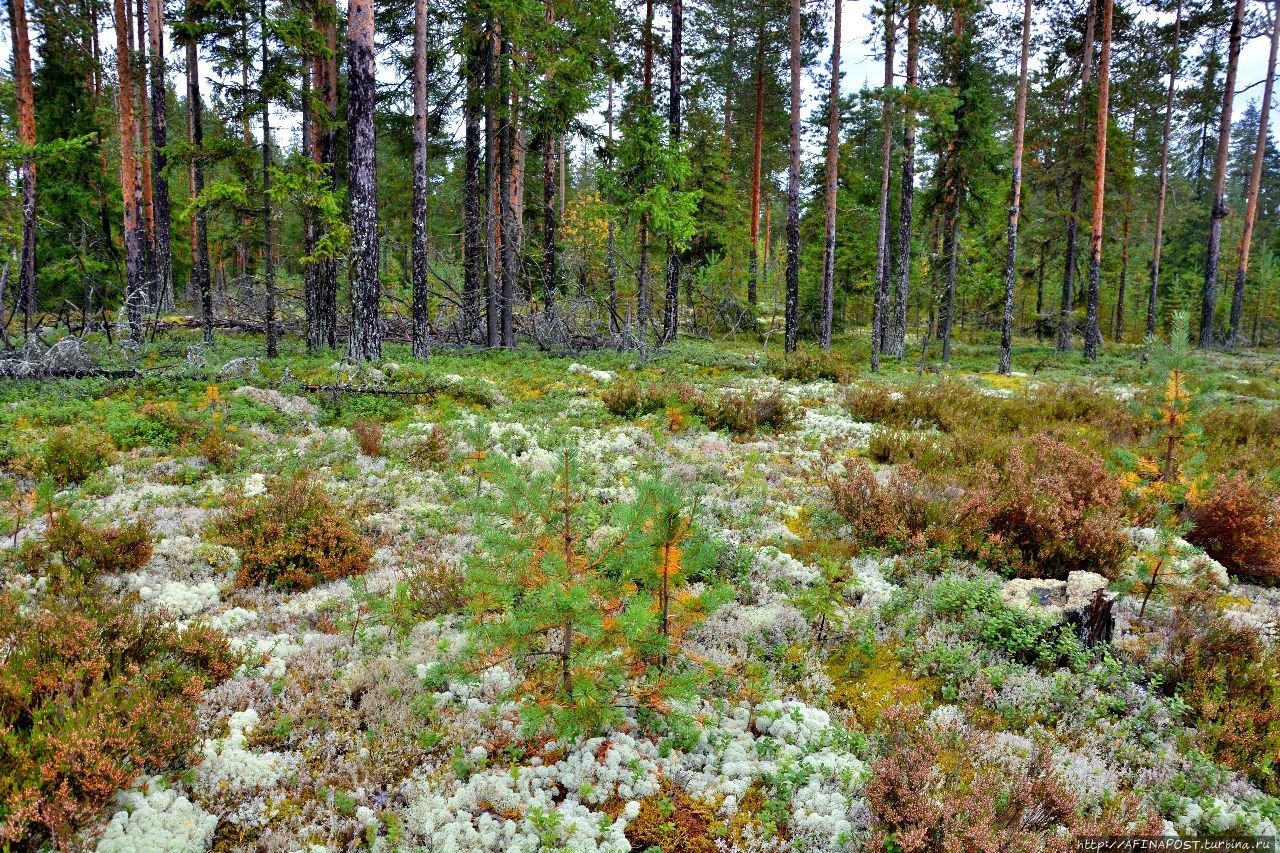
71,456
742,413
92,694
1229,678
1046,510
368,436
931,791
628,399
292,537
1237,523
430,451
809,367
89,551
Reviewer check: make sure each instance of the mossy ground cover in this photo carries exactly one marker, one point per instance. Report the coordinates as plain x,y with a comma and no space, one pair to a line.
366,710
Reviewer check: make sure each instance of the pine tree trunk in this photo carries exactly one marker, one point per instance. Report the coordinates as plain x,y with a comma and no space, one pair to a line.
1255,179
365,339
671,304
896,346
327,273
1092,334
473,241
421,309
549,223
833,162
159,158
950,248
880,297
25,97
611,254
1121,294
510,244
757,151
268,244
1015,196
1077,185
1153,290
200,228
792,318
143,125
1209,291
135,294
492,285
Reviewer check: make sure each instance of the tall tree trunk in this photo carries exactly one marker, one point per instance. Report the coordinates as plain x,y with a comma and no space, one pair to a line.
671,304
792,318
1209,292
421,309
1121,294
365,339
327,273
134,230
200,228
757,150
880,298
950,248
1077,185
611,254
143,126
1092,334
473,241
510,245
1255,178
159,158
833,162
268,244
492,285
1015,195
549,222
1153,290
25,97
643,305
896,346
952,174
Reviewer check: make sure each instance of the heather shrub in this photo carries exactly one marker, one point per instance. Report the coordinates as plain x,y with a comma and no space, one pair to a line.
627,399
92,694
743,413
1049,510
368,437
1046,510
935,791
89,551
71,456
896,446
809,367
1229,678
431,450
1238,524
292,537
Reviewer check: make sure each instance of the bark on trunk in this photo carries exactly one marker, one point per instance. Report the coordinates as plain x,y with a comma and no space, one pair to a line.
611,256
159,158
756,155
671,304
323,332
1092,334
510,246
833,162
1153,291
143,126
365,337
421,308
473,242
792,318
25,97
1209,292
268,245
880,298
1121,294
897,343
134,230
1015,195
492,286
1077,185
1255,178
549,223
200,228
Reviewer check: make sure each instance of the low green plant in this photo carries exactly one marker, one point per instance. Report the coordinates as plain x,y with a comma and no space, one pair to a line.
70,456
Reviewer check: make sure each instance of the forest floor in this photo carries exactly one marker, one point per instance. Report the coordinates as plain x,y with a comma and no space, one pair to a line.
854,692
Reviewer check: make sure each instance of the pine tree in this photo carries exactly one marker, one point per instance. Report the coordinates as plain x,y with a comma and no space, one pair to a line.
1092,336
366,288
1015,195
421,310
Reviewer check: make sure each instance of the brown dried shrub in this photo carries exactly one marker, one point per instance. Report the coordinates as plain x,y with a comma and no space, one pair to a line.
1238,524
368,437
